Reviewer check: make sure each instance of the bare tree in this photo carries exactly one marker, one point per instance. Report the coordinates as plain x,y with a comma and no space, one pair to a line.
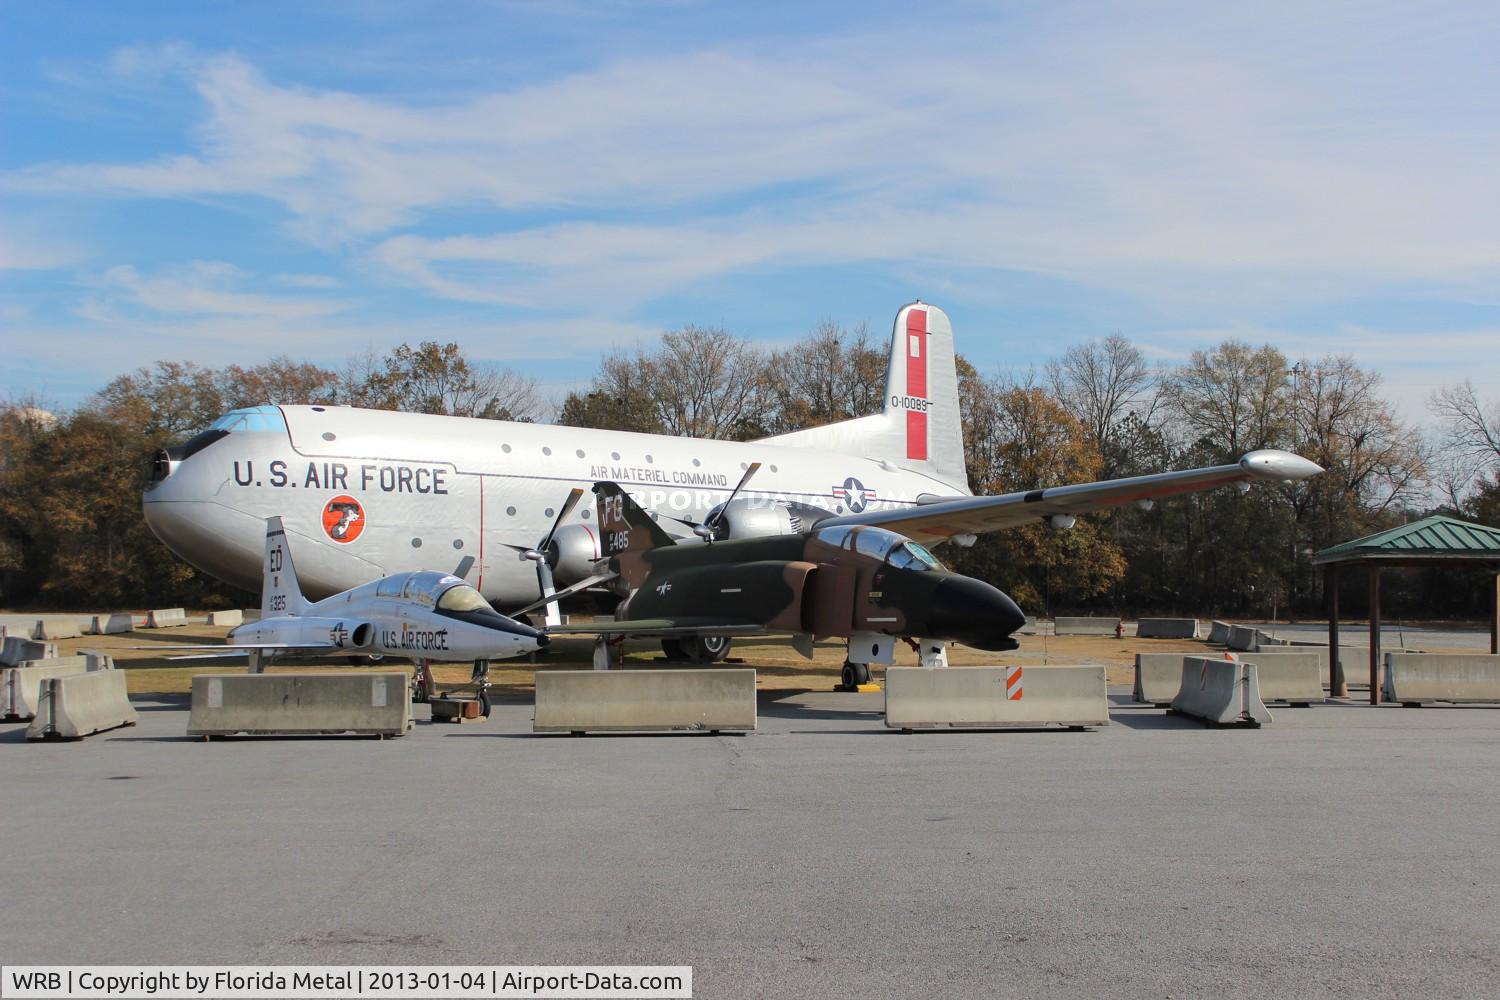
438,378
1101,382
834,374
705,382
1372,462
1470,442
1233,397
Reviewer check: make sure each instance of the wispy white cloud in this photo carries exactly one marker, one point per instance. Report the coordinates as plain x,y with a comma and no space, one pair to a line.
30,251
1179,152
207,288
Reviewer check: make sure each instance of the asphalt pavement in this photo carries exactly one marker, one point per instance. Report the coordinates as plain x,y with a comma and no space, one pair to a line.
1343,850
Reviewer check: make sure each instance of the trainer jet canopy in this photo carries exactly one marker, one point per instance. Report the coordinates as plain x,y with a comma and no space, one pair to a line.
423,616
860,582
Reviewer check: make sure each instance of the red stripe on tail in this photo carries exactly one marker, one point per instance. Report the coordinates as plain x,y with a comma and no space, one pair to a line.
916,383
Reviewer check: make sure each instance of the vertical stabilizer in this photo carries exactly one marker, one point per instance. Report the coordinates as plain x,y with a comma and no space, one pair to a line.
920,427
280,594
626,532
921,394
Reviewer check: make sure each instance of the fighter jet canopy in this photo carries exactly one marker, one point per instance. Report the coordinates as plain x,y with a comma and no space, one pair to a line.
897,550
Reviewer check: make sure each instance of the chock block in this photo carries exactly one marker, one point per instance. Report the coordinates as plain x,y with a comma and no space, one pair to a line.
459,710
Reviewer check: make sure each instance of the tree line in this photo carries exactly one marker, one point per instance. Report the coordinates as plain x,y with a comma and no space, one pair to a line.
71,482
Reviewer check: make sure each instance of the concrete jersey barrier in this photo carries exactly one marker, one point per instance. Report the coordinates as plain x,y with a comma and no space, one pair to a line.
1167,628
579,701
112,624
1242,638
1223,692
1459,678
21,686
995,697
1158,677
18,649
55,628
230,618
1218,633
1085,626
76,705
1291,676
373,703
165,618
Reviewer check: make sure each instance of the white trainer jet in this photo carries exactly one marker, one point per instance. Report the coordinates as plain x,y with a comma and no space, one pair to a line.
420,615
367,493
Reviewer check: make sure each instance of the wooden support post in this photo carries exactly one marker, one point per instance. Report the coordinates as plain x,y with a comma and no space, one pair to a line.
1495,618
1338,684
1374,635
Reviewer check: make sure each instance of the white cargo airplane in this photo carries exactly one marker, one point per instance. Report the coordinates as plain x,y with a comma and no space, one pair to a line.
369,493
420,615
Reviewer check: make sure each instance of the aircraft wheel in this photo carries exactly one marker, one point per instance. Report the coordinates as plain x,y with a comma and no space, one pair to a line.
707,648
853,675
484,704
673,649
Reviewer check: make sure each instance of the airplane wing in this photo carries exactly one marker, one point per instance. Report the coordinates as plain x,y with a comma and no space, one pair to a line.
943,519
223,652
663,627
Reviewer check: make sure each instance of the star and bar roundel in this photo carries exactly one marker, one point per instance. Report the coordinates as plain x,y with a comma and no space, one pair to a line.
854,494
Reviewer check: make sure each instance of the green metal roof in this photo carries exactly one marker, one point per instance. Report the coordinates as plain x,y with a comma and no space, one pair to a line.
1429,538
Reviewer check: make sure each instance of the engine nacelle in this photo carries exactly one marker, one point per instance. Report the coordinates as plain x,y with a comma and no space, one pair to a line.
362,635
754,517
572,553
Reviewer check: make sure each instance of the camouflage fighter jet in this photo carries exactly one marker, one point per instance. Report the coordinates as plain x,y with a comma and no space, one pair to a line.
864,583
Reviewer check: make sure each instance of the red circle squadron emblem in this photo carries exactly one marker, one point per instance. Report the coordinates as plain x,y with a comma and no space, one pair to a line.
343,518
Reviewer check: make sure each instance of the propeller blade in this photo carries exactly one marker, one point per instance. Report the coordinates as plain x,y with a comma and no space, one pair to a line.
713,520
581,585
549,592
562,515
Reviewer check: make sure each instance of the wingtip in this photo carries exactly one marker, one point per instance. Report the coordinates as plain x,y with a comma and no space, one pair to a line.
1270,463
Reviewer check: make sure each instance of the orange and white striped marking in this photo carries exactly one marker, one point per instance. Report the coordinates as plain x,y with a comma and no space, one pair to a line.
1013,683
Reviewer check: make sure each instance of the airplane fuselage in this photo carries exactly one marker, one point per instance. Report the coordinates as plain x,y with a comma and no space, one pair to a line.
394,616
366,493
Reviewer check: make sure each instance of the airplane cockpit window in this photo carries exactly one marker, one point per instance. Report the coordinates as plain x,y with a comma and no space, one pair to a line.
912,555
461,598
839,536
427,586
391,586
876,542
252,418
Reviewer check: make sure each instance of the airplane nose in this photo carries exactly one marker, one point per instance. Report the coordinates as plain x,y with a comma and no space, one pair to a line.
974,613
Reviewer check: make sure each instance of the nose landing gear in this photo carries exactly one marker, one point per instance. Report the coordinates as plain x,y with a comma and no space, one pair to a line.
853,675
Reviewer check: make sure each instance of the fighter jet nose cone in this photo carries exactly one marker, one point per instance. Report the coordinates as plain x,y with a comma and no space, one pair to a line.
974,613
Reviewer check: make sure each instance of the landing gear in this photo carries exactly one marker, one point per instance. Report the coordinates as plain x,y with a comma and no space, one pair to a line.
697,648
421,683
480,678
853,675
706,648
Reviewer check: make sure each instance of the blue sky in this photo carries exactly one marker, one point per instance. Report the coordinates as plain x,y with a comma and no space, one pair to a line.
544,181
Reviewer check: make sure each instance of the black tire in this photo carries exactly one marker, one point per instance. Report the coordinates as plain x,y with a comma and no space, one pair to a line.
848,677
673,649
862,673
707,648
484,704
